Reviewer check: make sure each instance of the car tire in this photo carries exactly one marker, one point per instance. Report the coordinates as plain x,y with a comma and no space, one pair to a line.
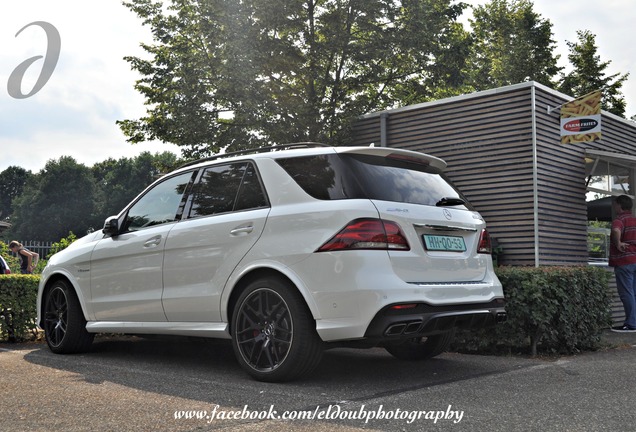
421,348
273,333
64,323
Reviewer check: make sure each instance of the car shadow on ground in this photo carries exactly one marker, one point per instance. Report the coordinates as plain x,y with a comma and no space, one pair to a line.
191,367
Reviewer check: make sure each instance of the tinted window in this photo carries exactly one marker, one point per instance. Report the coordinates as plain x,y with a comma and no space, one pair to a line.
392,180
227,188
324,177
251,192
159,205
332,177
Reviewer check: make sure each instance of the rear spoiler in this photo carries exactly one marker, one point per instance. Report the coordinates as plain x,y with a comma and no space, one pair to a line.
437,164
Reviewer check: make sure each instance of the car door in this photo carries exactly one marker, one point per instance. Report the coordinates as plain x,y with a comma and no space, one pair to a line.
225,217
126,269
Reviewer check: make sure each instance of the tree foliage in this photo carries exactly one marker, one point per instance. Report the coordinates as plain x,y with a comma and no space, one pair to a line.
62,244
69,197
119,181
589,74
240,74
12,181
59,196
228,75
512,44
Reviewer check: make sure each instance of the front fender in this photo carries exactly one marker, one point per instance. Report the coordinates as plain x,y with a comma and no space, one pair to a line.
49,276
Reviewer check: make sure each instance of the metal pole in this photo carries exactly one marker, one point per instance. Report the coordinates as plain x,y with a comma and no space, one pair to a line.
535,178
383,129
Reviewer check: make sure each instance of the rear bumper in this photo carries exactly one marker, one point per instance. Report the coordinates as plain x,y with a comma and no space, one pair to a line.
350,296
399,321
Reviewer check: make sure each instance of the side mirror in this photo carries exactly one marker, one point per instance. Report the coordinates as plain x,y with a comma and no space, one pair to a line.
111,226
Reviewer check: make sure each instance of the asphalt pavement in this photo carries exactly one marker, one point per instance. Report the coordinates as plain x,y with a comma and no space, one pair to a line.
139,384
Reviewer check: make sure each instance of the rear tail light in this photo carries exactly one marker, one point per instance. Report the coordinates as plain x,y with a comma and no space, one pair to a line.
367,234
485,245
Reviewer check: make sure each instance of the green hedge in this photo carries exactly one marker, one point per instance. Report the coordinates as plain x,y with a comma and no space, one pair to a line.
18,294
552,310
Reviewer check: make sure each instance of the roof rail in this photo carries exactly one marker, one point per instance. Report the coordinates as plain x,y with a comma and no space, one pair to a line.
307,144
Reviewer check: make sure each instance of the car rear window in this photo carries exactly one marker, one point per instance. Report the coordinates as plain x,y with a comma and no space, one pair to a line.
347,176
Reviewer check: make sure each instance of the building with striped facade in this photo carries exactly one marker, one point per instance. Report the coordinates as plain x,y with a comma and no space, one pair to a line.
503,150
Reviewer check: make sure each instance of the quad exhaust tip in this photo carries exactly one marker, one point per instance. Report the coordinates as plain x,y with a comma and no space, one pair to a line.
414,327
403,328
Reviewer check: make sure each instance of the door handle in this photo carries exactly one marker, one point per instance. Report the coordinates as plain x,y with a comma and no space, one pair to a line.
242,230
154,241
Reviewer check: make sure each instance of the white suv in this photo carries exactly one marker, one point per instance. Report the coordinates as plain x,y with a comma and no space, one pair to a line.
286,252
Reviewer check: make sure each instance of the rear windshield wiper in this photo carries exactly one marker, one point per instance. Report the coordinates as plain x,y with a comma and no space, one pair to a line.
450,202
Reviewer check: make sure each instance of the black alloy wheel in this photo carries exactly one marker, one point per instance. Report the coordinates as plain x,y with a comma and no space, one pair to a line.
56,316
64,323
273,333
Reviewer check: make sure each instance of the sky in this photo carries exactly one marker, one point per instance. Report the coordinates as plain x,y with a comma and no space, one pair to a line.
91,86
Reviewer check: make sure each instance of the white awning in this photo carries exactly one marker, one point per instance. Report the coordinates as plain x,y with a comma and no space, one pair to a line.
616,158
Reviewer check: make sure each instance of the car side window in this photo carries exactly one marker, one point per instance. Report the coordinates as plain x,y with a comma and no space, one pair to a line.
159,205
250,194
323,177
226,188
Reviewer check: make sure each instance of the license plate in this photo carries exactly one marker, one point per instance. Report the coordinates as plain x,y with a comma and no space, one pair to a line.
444,243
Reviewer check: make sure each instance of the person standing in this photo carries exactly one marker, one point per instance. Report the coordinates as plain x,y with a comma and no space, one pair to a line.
623,259
28,259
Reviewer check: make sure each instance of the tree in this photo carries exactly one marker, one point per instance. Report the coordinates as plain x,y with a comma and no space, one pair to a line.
12,181
512,44
447,75
119,181
227,74
588,74
58,199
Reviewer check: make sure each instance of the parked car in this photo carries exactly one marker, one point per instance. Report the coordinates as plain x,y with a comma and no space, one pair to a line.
4,267
287,253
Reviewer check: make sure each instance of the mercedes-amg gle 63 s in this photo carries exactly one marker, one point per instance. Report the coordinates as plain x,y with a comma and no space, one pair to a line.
287,251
